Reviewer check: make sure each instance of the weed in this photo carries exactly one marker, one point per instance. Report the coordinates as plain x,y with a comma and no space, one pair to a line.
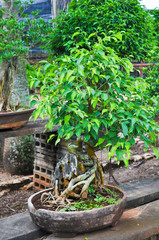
91,189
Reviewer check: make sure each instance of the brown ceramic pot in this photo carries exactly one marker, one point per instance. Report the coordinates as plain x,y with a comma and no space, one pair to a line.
68,224
14,119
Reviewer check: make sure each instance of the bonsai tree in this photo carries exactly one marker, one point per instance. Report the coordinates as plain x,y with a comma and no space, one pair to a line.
126,16
18,34
92,98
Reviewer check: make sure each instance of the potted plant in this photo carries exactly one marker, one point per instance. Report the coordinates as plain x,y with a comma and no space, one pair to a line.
18,33
91,96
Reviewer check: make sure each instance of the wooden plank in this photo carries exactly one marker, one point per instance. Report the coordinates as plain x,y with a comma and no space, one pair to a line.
29,128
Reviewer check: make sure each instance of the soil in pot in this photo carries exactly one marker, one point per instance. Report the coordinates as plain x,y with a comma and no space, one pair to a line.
99,198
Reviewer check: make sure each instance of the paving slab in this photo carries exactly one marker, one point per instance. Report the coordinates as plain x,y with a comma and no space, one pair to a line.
21,227
135,224
141,191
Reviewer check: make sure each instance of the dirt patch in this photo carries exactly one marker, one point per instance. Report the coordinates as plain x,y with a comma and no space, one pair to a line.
14,202
135,171
141,167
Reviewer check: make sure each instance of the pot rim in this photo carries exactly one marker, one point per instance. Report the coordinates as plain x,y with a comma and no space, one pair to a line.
35,196
17,112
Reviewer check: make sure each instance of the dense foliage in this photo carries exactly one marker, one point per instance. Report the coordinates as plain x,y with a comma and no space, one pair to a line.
152,79
89,93
20,32
125,16
155,15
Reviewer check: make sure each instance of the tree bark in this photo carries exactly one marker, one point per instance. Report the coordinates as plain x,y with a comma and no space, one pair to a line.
13,79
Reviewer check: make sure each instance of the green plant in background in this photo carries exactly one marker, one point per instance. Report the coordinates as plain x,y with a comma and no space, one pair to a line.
126,16
90,95
19,158
18,33
152,79
155,15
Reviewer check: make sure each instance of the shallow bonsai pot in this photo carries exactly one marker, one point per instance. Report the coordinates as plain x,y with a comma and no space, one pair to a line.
15,119
66,224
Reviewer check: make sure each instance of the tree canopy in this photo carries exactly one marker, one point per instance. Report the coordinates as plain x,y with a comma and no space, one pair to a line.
125,16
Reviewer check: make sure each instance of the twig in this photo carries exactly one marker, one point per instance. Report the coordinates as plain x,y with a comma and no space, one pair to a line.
11,208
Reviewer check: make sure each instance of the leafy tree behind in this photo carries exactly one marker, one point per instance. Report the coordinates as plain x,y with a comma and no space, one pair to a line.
126,16
155,14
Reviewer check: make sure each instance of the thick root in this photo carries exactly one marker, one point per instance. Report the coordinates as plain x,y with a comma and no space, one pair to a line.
53,199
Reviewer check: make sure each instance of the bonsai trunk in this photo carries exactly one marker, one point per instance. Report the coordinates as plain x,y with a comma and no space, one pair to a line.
74,173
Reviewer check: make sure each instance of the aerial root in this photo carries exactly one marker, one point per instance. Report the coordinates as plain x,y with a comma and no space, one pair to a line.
52,199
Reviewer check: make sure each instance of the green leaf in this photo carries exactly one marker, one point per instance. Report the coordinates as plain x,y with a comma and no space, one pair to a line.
96,128
100,141
113,106
68,135
33,103
36,114
118,35
125,129
68,75
156,152
89,127
61,131
133,121
127,145
80,113
146,144
49,109
36,83
81,70
119,153
61,77
57,141
50,125
104,96
132,141
46,66
89,90
126,161
87,138
67,119
105,110
78,132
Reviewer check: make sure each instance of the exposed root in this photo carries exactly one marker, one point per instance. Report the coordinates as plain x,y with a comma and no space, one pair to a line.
83,179
73,175
52,199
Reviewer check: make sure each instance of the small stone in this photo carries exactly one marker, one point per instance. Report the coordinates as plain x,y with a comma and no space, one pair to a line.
16,181
136,158
148,155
